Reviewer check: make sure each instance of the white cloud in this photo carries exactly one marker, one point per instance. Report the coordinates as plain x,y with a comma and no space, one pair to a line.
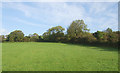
57,13
103,15
112,23
3,31
21,7
97,8
53,12
60,0
64,13
29,23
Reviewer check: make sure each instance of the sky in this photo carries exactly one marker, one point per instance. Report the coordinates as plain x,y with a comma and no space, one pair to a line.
38,17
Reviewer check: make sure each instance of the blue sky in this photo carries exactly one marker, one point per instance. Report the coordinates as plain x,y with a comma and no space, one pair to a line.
37,17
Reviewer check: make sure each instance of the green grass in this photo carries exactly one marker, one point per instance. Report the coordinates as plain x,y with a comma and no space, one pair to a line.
42,56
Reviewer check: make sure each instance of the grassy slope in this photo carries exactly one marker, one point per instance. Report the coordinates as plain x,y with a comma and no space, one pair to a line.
35,56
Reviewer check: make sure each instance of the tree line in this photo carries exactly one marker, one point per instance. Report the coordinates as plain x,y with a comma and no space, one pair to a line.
77,32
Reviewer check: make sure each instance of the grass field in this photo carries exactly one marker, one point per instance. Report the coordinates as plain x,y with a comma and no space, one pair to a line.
42,56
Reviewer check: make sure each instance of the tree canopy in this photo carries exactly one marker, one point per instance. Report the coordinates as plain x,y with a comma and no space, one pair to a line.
16,36
77,32
54,33
78,27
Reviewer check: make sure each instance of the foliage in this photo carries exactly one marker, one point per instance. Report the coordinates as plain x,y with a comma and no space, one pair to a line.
26,39
108,30
77,28
101,36
54,34
77,32
16,36
34,37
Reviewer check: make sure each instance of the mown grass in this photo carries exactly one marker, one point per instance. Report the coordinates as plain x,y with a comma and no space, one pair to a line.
42,56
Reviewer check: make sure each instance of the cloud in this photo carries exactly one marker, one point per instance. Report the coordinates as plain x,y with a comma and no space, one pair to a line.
102,15
21,7
51,14
112,23
60,0
60,12
3,31
98,7
29,23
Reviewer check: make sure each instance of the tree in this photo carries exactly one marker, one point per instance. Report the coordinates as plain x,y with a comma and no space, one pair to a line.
77,28
46,36
54,34
40,39
108,30
56,29
113,37
34,37
89,38
26,39
77,31
0,38
101,36
16,36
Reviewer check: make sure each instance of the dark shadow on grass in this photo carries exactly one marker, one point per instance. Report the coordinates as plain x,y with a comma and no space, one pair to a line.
93,46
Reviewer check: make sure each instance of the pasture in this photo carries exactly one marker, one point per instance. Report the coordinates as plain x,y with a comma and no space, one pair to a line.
43,56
